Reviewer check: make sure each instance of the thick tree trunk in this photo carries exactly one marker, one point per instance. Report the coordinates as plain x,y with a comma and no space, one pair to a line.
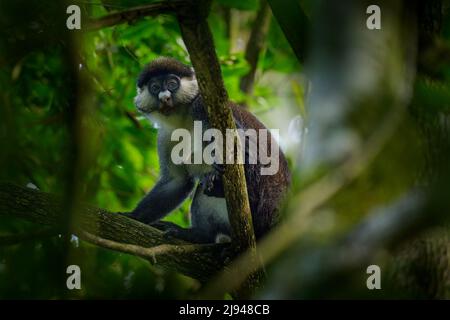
199,42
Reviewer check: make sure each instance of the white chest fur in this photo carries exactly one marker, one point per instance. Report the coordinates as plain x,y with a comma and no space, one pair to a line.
211,210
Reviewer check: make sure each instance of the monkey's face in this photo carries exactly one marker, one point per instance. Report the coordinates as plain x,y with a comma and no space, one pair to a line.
166,94
163,89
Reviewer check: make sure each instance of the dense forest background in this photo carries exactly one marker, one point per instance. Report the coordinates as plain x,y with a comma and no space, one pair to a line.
363,118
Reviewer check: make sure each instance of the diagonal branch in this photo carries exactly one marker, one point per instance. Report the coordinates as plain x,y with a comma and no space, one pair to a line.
135,13
199,42
143,252
294,23
196,261
256,45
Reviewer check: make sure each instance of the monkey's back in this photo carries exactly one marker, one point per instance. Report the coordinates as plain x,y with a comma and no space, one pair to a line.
265,192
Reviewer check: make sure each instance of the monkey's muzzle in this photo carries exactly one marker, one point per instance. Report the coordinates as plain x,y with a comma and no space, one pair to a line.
165,102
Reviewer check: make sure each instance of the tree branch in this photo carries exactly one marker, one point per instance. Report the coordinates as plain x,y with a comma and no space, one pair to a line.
196,261
199,42
255,45
198,39
294,23
146,253
135,13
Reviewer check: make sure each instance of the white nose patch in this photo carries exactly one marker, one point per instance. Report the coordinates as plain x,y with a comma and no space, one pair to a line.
164,95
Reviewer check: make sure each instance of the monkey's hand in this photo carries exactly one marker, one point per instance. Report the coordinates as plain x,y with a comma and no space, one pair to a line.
163,225
213,181
130,215
219,168
126,214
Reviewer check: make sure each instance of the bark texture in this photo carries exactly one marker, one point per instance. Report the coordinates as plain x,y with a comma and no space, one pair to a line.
45,209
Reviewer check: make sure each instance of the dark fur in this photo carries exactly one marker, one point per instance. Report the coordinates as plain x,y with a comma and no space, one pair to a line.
163,66
265,192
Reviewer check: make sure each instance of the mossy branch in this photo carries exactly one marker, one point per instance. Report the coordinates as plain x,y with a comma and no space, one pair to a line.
135,13
199,42
112,231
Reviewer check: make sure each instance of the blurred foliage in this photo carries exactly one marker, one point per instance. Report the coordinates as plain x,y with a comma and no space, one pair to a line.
121,163
120,157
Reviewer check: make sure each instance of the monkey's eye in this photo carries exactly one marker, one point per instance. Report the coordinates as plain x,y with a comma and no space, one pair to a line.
155,88
172,84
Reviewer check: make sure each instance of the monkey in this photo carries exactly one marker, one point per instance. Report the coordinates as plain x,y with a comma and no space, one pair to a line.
168,95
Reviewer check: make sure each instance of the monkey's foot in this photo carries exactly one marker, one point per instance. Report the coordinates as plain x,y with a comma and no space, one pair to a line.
228,253
191,235
213,184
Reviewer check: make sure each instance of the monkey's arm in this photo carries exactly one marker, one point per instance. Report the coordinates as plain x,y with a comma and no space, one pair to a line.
165,196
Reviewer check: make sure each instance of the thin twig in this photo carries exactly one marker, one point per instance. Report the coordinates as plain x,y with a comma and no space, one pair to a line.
255,45
143,252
